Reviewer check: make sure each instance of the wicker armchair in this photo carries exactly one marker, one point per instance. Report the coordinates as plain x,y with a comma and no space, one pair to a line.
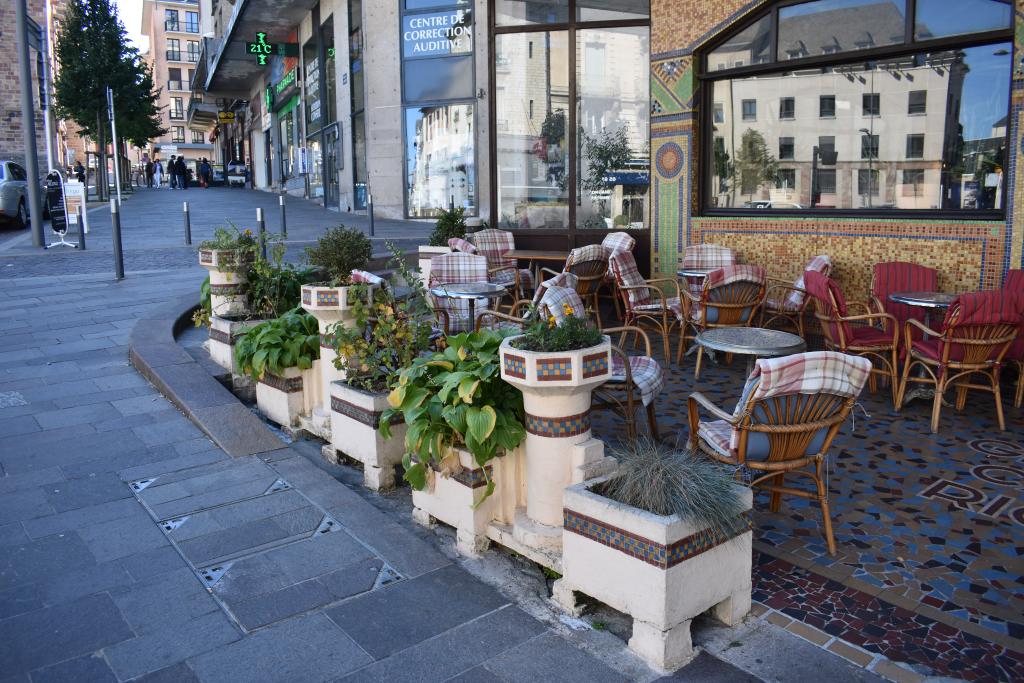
589,265
662,313
613,242
456,268
787,302
729,297
634,381
900,276
1015,283
977,333
788,414
705,257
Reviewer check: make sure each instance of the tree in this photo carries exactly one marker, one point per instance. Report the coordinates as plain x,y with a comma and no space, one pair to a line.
93,53
754,162
607,152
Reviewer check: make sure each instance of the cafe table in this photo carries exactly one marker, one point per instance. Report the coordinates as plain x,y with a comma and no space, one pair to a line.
752,342
536,257
470,292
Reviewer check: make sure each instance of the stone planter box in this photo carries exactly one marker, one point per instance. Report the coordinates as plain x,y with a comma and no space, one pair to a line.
661,570
455,499
355,416
224,333
228,298
425,254
284,398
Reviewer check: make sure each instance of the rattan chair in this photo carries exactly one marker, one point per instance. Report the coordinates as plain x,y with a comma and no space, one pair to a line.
1014,282
729,297
635,381
788,414
977,333
855,334
787,302
590,266
662,313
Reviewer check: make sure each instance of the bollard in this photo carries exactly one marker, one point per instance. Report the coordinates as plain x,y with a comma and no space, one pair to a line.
284,221
188,226
115,218
369,210
81,229
262,226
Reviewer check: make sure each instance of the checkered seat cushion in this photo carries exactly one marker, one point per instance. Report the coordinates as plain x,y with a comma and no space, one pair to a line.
493,245
459,244
458,268
561,302
718,284
627,274
646,373
705,257
615,241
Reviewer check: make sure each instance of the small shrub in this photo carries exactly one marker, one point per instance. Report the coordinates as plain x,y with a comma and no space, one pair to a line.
242,242
667,481
450,223
340,251
571,334
291,341
275,287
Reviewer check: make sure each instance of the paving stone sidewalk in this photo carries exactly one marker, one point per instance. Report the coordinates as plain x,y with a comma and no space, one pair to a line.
132,548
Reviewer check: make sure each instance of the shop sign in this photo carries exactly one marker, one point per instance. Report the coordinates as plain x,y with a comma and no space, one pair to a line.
437,34
286,87
262,49
226,116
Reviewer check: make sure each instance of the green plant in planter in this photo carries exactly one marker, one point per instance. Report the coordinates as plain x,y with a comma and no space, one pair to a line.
202,314
450,223
290,341
340,251
668,481
274,286
545,334
242,242
456,398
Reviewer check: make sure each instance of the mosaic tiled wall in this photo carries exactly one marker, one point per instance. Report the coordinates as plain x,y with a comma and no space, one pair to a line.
969,254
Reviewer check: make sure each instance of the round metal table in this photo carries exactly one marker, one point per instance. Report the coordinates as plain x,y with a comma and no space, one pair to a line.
752,342
929,301
694,272
471,292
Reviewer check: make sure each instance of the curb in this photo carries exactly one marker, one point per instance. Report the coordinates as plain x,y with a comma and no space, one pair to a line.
153,351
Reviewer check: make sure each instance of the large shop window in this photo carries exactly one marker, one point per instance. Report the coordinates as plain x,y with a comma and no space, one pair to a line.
571,115
829,106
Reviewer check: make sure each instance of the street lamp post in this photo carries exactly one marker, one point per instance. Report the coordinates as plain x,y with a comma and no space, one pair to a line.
871,163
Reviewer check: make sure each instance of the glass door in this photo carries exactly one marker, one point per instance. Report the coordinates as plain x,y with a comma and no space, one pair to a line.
332,164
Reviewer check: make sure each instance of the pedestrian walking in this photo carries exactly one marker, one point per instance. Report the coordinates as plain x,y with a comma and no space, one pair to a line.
158,173
80,172
204,172
172,172
182,174
149,174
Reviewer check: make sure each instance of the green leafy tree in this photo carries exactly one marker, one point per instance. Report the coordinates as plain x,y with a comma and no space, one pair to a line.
606,152
754,163
93,51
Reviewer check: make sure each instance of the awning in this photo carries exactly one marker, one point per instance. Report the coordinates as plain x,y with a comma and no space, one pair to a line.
202,115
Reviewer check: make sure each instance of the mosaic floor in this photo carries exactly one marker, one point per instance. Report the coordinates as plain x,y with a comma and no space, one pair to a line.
929,528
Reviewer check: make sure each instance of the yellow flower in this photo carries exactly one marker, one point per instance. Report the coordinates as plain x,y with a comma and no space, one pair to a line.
551,321
568,309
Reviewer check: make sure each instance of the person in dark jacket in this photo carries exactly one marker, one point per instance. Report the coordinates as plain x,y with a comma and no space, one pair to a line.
182,174
172,172
79,172
149,174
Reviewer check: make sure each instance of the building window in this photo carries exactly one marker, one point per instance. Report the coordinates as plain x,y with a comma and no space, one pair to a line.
869,146
171,20
915,146
867,182
178,134
787,108
174,79
197,137
177,111
440,160
749,110
917,101
192,22
960,71
786,148
193,51
827,106
786,179
871,103
533,186
173,50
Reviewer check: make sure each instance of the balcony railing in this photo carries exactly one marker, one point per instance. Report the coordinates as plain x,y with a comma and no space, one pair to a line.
177,85
176,115
193,56
191,27
172,26
174,55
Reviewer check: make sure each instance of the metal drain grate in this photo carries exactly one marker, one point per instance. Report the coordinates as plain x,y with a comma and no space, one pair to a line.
327,525
279,485
387,575
140,484
172,524
211,575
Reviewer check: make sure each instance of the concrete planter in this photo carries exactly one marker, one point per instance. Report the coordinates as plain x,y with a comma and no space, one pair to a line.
455,498
284,398
224,333
228,298
663,571
558,448
330,306
355,416
425,254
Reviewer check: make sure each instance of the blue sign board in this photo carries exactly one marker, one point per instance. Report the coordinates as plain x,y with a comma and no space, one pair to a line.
437,34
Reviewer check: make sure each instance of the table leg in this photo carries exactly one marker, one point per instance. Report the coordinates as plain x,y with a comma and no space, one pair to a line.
472,314
919,391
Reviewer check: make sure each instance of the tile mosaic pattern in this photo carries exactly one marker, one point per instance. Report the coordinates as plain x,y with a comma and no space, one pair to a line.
554,369
950,549
360,414
595,365
558,427
651,552
515,366
222,337
205,257
307,297
227,290
327,297
290,385
879,626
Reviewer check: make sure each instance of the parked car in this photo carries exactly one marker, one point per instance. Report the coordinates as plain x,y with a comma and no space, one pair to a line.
13,194
768,204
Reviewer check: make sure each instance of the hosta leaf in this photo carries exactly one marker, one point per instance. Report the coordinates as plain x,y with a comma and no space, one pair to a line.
396,396
416,475
480,422
467,388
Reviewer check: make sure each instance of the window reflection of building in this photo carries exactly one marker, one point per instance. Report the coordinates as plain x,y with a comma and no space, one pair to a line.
440,160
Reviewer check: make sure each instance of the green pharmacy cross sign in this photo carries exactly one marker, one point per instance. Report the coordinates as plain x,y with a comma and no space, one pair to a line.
261,48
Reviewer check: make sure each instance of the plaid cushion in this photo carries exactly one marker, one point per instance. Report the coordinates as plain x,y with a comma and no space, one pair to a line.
785,305
366,277
493,244
795,299
591,252
734,273
646,372
674,305
991,307
716,434
560,280
557,299
459,244
508,278
458,268
614,241
708,256
627,274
